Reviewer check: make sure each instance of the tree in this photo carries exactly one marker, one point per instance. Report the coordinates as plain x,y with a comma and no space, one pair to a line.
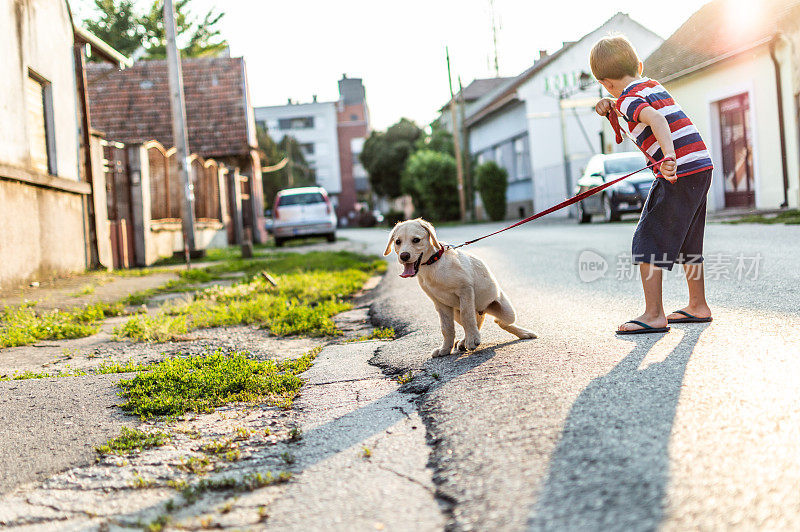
430,180
295,173
384,156
439,140
197,38
492,182
119,24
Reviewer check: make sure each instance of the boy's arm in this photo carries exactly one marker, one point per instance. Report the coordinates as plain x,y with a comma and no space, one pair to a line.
605,106
661,131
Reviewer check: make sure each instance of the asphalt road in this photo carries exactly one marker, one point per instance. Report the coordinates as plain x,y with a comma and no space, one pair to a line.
584,430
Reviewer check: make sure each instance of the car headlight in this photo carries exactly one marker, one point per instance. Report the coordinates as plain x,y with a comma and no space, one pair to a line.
626,188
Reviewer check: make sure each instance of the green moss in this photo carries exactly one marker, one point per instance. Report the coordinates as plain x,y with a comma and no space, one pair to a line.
133,440
24,325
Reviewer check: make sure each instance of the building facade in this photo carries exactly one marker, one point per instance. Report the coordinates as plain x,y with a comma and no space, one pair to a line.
314,126
352,130
541,127
42,193
739,85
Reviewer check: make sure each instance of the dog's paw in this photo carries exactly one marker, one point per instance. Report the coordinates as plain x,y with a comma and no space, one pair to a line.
461,346
471,342
441,352
527,335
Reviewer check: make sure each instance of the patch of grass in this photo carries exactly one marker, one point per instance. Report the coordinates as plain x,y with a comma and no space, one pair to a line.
204,382
139,482
249,482
296,434
233,455
311,289
146,328
219,446
789,217
381,333
405,377
158,524
115,367
86,290
23,325
132,440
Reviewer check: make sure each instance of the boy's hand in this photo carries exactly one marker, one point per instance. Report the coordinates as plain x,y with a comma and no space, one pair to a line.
669,168
604,106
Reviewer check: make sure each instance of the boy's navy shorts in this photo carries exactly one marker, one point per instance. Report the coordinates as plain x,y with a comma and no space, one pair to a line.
672,223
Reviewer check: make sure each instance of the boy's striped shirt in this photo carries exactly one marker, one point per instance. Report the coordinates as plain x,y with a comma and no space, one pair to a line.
690,149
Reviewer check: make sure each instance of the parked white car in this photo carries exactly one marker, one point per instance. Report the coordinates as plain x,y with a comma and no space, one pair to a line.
303,212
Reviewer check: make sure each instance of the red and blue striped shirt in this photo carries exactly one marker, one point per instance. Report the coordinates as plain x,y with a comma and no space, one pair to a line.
690,150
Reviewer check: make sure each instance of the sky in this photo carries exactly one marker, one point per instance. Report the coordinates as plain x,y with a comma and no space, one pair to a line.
300,48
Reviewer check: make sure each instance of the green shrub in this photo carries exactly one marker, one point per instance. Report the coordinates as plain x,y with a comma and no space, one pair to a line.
393,217
492,182
430,180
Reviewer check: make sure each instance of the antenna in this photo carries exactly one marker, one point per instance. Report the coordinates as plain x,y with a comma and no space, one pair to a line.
495,26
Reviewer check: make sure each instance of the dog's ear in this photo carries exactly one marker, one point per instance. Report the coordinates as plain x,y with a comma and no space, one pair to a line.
431,233
391,239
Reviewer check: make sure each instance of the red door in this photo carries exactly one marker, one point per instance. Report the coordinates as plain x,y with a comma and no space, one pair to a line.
737,160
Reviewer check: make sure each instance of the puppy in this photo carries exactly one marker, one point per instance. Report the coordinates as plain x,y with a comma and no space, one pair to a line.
461,286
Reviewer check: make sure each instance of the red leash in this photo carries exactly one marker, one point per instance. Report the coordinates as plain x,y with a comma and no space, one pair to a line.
578,197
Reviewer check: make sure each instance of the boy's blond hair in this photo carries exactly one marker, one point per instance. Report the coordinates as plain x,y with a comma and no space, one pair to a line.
613,57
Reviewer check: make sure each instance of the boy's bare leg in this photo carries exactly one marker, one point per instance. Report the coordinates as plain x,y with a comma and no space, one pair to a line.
698,306
653,308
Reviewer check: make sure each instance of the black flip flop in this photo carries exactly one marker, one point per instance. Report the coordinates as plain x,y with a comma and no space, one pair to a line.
646,329
689,318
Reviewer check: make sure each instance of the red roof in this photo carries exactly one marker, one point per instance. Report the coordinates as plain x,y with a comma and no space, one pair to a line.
132,105
719,30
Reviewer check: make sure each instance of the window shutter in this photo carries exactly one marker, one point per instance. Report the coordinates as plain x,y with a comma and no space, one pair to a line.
34,102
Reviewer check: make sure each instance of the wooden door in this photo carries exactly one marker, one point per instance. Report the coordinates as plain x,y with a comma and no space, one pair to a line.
737,160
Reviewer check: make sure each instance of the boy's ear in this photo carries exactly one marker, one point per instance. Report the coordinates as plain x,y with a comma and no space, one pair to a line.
641,68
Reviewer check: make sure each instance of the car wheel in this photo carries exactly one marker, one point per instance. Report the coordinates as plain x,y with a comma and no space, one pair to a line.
583,216
279,242
610,214
331,237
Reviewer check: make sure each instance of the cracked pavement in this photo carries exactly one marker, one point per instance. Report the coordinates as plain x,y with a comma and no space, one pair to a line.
584,430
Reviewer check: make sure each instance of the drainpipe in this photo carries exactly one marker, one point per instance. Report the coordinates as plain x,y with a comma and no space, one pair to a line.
781,128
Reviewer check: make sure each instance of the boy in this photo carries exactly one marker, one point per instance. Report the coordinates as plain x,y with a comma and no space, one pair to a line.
671,226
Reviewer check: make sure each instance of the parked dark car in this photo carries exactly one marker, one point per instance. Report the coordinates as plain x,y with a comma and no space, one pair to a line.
627,196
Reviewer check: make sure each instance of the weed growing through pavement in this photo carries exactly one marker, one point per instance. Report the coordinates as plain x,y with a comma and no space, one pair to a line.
221,446
405,377
381,333
366,452
203,382
132,440
23,325
139,482
288,457
436,376
86,290
311,289
296,434
195,465
249,482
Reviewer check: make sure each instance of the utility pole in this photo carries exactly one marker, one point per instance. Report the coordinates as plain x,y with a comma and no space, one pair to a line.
179,128
494,40
465,137
456,143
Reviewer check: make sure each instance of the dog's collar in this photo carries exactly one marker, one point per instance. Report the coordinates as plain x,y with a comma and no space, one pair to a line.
435,257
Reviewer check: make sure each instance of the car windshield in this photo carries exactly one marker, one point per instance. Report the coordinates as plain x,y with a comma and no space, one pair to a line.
301,199
624,165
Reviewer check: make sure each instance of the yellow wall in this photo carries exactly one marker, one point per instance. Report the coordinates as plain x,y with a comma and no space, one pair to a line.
752,72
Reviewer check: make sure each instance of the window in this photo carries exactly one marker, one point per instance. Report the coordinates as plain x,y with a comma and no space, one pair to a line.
307,148
309,198
498,156
521,157
298,122
41,136
262,124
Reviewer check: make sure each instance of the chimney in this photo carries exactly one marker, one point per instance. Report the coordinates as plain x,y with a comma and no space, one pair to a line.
542,54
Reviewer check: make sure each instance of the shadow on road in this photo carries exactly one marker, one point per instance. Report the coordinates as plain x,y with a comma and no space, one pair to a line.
611,467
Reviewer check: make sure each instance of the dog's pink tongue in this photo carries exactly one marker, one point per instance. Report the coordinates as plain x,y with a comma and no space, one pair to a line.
409,270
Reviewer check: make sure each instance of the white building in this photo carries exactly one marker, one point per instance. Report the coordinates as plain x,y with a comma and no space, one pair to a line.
542,128
735,71
314,126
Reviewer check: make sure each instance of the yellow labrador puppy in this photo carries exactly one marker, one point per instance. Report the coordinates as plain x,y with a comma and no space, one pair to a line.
461,286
